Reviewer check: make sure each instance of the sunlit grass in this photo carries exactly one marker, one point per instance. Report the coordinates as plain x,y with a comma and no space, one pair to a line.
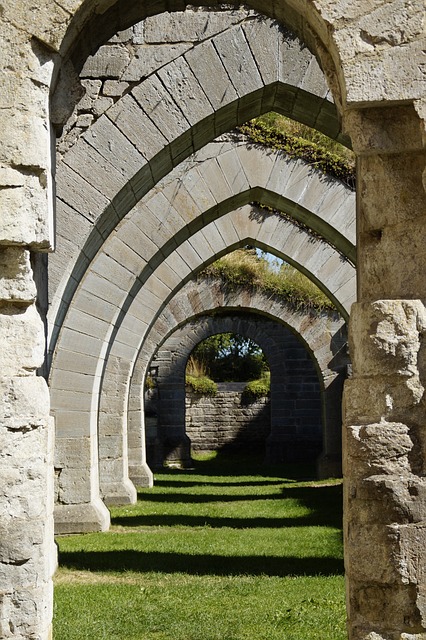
210,555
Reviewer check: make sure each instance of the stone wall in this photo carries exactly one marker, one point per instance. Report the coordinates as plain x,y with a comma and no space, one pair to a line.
373,58
227,421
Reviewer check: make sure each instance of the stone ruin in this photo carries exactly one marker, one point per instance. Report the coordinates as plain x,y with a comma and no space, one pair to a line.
146,186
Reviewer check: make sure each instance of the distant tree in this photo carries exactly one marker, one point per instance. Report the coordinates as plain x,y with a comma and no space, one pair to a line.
229,357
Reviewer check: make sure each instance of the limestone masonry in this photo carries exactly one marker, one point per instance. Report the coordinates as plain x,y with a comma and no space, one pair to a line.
121,177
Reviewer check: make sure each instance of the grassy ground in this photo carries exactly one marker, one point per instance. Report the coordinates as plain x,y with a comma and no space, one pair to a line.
226,551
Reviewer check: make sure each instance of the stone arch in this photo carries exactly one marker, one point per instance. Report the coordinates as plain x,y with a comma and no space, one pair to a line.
295,432
135,324
380,68
323,336
133,159
327,206
231,171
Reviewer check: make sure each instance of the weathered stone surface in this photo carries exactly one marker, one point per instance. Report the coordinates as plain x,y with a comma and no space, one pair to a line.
149,59
391,343
208,68
175,27
372,54
108,62
230,46
16,283
22,342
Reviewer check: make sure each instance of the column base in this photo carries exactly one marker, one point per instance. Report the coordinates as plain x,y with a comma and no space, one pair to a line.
290,451
118,493
81,518
329,466
141,476
177,452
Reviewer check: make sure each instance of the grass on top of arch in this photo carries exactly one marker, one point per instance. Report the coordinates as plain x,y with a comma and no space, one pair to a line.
226,551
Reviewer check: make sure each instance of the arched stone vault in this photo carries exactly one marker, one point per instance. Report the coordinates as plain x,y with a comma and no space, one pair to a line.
373,59
113,143
281,237
116,267
295,407
124,153
323,335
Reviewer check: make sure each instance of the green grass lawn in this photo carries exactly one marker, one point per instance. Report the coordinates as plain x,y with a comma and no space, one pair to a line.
230,550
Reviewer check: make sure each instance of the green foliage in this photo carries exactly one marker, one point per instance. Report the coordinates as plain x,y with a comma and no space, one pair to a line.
196,366
242,268
275,131
229,357
259,388
201,385
202,545
150,383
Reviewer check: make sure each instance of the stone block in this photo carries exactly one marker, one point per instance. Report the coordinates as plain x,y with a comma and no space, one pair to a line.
108,62
160,107
113,145
314,81
232,47
180,199
210,73
387,337
256,164
147,60
403,178
87,324
379,448
81,518
193,26
24,403
114,89
111,270
230,166
182,84
72,424
26,210
94,169
16,283
137,126
383,130
79,194
294,60
22,340
263,36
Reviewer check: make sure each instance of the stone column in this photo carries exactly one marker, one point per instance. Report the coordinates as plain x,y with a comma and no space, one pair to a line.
139,472
329,463
27,553
384,401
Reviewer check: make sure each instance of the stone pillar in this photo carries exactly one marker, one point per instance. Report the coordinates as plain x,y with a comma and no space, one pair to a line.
175,444
329,463
139,472
295,404
27,553
384,401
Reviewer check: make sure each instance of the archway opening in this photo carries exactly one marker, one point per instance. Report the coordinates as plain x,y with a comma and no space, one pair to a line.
227,406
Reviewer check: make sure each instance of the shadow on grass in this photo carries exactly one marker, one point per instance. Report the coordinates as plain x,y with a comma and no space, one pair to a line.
144,562
324,503
198,498
184,484
217,523
232,466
